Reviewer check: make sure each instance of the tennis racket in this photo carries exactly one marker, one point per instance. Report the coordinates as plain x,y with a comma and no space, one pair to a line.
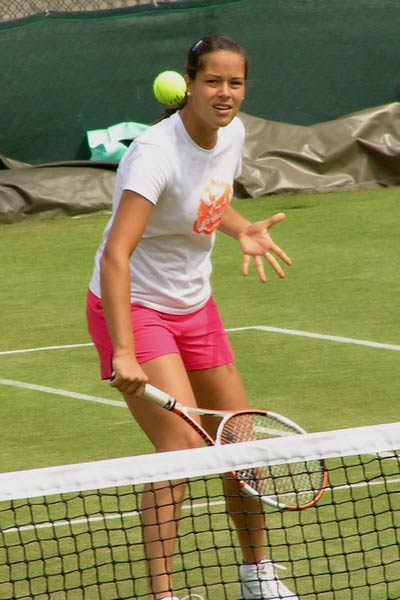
288,486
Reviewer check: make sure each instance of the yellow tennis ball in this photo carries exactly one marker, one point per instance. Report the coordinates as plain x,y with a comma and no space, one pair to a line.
169,87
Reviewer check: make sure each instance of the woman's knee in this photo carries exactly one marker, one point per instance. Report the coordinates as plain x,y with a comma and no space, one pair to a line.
186,439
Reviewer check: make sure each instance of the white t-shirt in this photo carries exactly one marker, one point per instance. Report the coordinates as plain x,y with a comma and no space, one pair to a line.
190,188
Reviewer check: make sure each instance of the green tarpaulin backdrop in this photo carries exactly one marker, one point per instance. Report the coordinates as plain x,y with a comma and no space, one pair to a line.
312,61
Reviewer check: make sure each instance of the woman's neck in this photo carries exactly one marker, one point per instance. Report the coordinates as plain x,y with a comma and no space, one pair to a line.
203,136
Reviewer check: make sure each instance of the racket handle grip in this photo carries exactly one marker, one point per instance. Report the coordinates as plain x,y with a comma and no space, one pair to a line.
158,397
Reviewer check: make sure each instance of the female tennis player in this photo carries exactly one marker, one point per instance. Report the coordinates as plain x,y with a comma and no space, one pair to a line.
150,308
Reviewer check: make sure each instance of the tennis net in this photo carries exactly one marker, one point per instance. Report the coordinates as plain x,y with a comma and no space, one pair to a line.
74,532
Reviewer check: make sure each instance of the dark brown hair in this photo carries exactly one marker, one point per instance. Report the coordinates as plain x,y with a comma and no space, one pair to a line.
196,58
211,43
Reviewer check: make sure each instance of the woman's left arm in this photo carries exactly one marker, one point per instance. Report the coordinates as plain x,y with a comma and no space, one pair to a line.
255,241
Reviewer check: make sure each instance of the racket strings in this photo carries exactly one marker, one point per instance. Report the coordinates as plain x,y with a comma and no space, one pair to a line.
293,484
251,426
290,484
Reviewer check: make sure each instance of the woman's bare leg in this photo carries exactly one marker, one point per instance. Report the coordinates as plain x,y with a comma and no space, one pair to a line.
161,502
161,507
221,388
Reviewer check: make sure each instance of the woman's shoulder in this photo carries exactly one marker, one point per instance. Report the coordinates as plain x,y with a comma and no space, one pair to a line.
154,147
153,142
234,133
238,126
160,133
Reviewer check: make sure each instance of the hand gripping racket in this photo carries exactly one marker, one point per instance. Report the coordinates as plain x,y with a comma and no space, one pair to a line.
288,486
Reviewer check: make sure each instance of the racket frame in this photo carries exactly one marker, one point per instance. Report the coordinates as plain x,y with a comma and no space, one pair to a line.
170,403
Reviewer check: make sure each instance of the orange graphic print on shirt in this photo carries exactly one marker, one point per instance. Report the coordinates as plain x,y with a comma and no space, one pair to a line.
215,198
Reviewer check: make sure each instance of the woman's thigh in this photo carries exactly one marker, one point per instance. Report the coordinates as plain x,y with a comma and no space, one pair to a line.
219,388
165,430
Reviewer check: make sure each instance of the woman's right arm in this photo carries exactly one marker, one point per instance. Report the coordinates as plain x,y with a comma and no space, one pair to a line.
127,229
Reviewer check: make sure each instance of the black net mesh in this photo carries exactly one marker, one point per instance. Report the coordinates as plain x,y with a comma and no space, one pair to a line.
19,9
90,544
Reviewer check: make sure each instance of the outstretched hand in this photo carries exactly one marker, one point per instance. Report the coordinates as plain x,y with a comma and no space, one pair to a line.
255,241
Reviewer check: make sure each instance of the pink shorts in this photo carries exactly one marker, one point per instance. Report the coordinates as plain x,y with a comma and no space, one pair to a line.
198,337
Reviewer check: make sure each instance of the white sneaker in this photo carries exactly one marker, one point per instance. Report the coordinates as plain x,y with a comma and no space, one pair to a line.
259,581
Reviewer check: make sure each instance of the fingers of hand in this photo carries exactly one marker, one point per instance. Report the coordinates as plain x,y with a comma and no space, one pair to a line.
271,221
275,265
260,268
131,386
279,253
274,219
259,263
245,264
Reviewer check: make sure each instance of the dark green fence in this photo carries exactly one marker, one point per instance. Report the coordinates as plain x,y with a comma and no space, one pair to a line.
311,61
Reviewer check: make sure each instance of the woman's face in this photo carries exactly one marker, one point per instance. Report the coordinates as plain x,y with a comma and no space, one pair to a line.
217,92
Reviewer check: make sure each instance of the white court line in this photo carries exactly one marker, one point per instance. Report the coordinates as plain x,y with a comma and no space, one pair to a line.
320,336
72,522
40,349
296,332
105,517
58,392
186,507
